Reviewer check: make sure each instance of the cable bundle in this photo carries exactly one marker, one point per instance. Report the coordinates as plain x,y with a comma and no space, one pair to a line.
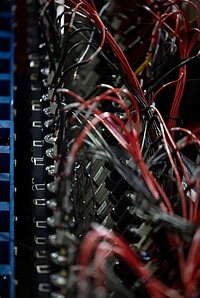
123,193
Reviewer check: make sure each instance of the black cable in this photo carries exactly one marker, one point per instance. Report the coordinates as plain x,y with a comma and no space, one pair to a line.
50,54
67,70
54,32
62,59
87,29
184,62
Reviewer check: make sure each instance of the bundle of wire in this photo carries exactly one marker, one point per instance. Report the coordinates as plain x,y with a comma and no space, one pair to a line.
103,112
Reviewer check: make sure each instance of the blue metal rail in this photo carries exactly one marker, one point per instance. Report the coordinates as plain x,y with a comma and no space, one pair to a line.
7,267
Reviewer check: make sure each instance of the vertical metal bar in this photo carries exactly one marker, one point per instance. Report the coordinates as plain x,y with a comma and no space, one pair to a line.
12,260
7,269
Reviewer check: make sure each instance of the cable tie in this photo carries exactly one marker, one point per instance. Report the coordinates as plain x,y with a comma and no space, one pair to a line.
146,109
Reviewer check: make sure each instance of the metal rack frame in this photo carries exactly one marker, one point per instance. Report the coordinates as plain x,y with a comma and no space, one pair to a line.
7,263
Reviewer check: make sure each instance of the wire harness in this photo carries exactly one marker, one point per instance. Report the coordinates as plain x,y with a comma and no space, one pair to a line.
122,191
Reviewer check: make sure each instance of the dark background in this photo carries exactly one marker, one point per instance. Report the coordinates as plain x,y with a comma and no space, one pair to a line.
23,233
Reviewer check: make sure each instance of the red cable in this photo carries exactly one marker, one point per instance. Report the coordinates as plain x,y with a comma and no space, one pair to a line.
120,248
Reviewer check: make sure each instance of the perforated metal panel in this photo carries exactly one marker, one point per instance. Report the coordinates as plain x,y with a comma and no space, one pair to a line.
7,287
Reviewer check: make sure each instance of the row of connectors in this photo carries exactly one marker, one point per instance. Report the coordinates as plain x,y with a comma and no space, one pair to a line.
7,284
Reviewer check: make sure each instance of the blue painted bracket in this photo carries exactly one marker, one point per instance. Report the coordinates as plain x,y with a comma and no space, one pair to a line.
7,266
